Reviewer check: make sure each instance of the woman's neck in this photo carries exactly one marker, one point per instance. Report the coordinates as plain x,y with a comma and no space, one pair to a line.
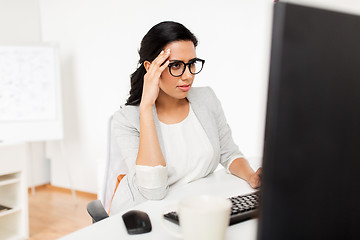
167,103
171,110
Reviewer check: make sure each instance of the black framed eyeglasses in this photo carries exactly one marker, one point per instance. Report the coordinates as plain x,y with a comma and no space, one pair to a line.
177,68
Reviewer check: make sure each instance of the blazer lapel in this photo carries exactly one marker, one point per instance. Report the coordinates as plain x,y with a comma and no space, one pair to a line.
205,118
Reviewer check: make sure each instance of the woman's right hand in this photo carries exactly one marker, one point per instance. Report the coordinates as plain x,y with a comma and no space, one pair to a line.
152,78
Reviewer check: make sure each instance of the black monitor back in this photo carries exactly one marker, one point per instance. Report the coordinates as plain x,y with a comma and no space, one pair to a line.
311,162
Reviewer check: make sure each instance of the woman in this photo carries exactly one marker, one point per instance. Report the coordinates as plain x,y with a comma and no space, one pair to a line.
170,133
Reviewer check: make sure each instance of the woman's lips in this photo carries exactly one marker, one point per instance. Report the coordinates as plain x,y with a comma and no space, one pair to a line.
184,88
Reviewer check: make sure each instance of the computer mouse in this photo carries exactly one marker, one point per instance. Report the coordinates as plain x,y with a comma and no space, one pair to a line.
136,222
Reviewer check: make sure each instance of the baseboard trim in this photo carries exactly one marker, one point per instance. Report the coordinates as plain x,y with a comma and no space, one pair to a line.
60,189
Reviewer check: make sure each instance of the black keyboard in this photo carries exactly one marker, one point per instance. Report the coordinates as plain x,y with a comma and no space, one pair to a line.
244,207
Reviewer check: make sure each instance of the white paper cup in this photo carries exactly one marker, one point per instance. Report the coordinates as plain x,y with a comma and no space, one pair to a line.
203,217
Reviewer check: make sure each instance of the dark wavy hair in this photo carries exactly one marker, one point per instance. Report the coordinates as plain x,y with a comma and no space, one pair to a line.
151,45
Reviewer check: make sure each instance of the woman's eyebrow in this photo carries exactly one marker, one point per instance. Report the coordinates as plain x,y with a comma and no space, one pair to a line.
174,60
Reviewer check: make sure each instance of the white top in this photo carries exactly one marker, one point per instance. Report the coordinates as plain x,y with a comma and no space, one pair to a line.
188,154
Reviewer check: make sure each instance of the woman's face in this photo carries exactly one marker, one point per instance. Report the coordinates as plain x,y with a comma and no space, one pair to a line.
178,87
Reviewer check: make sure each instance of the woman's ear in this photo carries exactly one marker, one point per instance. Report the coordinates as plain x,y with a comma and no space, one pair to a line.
147,65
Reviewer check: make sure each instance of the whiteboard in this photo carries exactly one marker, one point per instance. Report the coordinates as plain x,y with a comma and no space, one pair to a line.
30,94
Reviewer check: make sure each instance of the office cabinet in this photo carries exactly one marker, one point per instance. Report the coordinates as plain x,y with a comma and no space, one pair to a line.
14,216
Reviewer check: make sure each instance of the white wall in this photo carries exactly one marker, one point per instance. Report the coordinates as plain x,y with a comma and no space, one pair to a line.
99,42
19,21
20,25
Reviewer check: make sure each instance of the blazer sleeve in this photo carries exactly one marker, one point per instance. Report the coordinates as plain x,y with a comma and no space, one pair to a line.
229,151
127,135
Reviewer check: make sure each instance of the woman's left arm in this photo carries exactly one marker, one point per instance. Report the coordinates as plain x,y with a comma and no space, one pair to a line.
240,167
229,150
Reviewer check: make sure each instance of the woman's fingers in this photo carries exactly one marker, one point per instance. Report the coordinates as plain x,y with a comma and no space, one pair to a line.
158,66
255,179
160,61
258,173
162,67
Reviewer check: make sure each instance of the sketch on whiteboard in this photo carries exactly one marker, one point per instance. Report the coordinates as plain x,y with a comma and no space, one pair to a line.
27,83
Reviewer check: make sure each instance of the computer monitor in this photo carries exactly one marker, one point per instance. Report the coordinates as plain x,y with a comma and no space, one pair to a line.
311,162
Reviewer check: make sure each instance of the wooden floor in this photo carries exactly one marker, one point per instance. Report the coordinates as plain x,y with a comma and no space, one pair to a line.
53,212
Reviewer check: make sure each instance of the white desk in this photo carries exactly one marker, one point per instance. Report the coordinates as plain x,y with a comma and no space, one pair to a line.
218,183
